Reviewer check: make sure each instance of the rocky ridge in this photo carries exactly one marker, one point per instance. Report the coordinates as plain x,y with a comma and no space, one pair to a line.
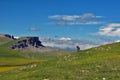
28,41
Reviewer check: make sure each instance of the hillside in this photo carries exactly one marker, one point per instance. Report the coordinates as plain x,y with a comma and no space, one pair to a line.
4,39
31,51
99,63
21,57
24,44
12,59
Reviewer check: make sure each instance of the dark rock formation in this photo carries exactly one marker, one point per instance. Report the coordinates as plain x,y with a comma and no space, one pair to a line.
9,36
29,41
34,41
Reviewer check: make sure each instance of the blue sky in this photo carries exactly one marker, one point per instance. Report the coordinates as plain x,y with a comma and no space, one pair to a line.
76,19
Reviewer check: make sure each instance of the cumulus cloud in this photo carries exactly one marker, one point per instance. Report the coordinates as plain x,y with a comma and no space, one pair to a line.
68,43
65,39
112,29
89,22
87,18
63,23
34,29
16,37
117,41
64,17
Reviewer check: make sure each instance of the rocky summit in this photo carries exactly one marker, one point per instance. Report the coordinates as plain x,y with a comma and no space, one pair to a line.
28,41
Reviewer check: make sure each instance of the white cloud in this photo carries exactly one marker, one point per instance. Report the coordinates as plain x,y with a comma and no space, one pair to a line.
72,17
63,23
70,43
112,29
16,37
86,18
55,17
93,22
64,17
117,41
65,43
34,29
65,39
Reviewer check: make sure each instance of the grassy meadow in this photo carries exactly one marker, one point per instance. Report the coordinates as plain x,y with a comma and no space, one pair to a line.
99,63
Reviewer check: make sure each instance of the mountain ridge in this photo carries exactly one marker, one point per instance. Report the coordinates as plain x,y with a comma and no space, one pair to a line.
27,43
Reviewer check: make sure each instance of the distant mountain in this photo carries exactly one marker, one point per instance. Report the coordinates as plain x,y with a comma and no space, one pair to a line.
32,44
29,43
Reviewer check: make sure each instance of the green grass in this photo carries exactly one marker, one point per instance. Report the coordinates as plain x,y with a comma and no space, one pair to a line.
100,63
4,69
45,55
10,60
4,39
9,53
9,57
9,43
33,55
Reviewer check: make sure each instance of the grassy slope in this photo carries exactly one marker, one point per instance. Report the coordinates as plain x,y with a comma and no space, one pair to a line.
10,59
4,39
45,55
37,55
9,43
100,63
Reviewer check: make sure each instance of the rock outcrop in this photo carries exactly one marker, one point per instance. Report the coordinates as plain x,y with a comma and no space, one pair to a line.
28,41
9,36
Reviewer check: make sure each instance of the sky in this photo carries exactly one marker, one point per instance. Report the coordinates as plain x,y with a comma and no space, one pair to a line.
62,23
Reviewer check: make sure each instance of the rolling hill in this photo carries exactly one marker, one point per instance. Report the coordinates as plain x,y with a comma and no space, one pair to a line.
10,59
33,52
99,63
4,39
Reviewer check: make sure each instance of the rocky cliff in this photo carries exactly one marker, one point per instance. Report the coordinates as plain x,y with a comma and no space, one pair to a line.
28,41
9,36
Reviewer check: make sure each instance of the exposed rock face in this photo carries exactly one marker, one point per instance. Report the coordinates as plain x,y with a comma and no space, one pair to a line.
29,41
9,36
34,41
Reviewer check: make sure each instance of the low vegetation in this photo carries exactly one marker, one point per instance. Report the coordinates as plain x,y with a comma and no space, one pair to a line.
11,59
4,39
45,55
99,63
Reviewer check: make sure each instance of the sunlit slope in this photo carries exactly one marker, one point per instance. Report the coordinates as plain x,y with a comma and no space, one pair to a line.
4,39
10,43
10,57
100,63
47,55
